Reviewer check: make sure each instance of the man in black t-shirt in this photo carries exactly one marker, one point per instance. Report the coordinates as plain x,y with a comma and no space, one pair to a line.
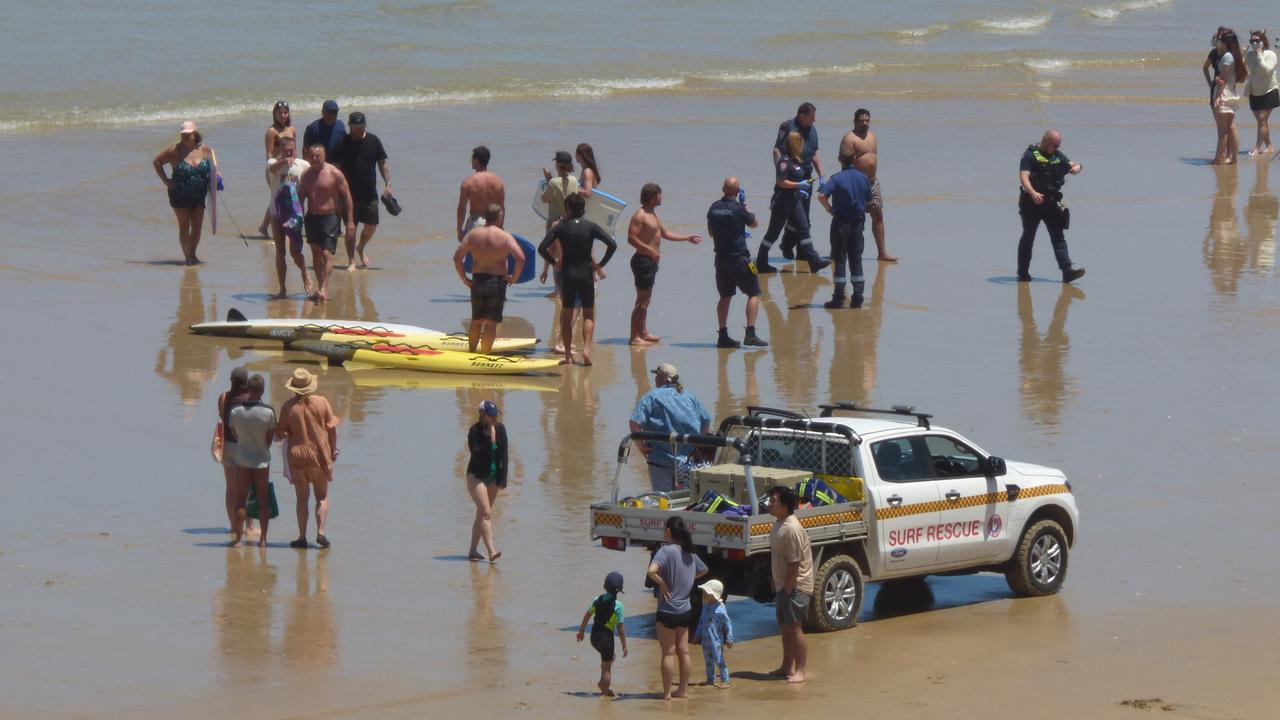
578,271
1041,174
358,155
727,223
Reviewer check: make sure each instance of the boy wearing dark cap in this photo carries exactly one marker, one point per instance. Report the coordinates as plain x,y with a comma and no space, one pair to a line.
607,610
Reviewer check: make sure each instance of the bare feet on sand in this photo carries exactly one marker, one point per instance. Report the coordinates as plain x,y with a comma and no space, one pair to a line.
280,295
651,338
586,359
567,361
640,342
887,258
795,678
365,260
680,694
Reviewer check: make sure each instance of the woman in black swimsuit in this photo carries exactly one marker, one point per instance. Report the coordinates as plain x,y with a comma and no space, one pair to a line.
192,161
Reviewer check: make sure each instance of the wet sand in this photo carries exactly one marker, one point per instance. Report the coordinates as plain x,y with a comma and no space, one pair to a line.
1148,384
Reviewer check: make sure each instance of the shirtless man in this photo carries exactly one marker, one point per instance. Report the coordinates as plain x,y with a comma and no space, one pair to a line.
489,246
645,234
323,191
478,192
861,146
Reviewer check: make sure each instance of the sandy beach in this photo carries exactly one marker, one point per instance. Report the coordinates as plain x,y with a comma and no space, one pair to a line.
1147,383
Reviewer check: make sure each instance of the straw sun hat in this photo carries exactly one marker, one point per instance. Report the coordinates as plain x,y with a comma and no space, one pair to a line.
302,382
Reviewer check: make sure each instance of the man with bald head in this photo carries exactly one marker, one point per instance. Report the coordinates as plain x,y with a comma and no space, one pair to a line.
727,223
1042,172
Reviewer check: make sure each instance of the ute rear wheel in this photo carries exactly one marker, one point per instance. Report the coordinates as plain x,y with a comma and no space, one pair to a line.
1039,566
837,597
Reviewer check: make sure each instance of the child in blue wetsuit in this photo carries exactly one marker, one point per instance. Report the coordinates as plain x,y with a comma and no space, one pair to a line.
715,632
607,611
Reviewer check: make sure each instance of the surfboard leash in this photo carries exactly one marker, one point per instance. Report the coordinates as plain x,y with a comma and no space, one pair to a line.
243,239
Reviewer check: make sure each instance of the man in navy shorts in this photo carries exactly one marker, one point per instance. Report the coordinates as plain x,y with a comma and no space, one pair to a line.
727,223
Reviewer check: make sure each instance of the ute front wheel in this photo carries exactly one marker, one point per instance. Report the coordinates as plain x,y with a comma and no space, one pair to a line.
1039,566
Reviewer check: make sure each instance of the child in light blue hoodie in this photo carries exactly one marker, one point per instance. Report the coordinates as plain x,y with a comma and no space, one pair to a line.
715,632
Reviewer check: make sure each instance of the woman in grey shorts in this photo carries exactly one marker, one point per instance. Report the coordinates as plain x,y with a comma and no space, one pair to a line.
673,571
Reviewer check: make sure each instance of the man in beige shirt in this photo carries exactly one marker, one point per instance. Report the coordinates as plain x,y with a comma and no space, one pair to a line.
792,565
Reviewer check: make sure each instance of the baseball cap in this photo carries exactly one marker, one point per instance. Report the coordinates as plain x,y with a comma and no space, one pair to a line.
668,370
563,157
355,118
488,407
329,106
613,582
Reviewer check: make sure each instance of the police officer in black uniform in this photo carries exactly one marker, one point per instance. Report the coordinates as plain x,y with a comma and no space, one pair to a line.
1042,172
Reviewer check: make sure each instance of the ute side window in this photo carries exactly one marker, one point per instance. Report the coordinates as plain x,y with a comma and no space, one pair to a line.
897,461
951,458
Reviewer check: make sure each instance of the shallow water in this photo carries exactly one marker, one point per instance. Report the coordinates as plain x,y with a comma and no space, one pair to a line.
1147,383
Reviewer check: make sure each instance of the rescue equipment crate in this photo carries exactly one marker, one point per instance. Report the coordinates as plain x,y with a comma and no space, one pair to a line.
729,479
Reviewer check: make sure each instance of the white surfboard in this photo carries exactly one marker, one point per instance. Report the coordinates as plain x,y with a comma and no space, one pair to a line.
603,209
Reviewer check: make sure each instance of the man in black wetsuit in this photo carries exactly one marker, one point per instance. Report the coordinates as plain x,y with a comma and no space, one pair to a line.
727,223
578,271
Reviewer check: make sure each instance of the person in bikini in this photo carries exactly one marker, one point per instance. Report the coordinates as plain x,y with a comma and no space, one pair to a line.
480,190
645,234
861,148
578,271
323,190
489,246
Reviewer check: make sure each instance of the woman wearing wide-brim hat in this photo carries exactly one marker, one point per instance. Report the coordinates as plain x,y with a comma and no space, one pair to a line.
310,428
486,475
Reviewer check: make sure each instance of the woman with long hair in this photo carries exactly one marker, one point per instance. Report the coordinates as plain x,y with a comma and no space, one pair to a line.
237,393
281,127
193,163
1210,66
1227,99
590,176
486,475
787,209
673,571
1264,89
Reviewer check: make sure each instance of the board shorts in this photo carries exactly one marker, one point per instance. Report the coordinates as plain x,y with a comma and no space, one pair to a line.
675,621
185,202
791,610
645,271
734,274
367,212
602,641
877,200
578,293
323,230
488,295
1270,101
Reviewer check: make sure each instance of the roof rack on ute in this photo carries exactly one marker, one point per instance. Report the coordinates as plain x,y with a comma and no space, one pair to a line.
830,409
797,425
762,411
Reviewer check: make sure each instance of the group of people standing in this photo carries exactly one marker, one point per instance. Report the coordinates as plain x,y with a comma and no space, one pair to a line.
1233,73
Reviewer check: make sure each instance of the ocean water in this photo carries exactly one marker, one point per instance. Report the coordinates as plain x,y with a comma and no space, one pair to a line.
143,61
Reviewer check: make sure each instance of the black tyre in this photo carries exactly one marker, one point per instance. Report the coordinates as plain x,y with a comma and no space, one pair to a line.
1039,566
837,596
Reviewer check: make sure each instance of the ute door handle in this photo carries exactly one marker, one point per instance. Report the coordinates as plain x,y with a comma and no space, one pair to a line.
894,500
953,496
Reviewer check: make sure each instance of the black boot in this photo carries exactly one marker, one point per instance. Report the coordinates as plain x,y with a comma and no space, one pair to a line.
724,341
762,262
816,266
1070,275
856,301
752,339
837,301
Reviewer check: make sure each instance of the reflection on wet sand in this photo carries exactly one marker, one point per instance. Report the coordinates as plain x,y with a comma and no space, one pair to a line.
568,424
487,634
242,612
1228,254
728,402
852,375
310,637
1043,384
189,362
793,344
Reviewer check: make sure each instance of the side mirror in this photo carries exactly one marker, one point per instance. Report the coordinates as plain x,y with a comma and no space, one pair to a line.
996,466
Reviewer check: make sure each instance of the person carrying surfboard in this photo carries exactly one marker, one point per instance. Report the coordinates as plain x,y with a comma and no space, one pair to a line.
489,247
195,169
481,189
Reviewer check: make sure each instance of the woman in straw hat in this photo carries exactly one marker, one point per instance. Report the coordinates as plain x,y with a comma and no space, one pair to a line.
310,429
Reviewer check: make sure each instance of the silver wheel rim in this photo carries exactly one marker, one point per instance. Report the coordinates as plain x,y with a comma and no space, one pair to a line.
1046,559
840,594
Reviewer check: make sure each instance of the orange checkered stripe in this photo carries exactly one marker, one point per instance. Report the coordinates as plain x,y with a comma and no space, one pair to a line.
813,521
992,498
609,519
728,530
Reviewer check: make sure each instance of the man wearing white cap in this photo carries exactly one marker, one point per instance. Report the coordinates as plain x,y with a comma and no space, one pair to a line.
310,429
667,408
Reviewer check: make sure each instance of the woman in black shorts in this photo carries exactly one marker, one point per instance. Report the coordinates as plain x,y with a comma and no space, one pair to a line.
193,162
674,570
1264,90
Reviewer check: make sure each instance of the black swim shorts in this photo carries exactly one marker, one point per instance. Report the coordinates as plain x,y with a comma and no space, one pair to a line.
488,295
675,621
733,274
184,202
1270,101
323,230
645,270
367,212
577,293
602,641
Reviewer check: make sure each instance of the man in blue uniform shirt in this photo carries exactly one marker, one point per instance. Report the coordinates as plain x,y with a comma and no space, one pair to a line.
802,123
727,223
845,196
